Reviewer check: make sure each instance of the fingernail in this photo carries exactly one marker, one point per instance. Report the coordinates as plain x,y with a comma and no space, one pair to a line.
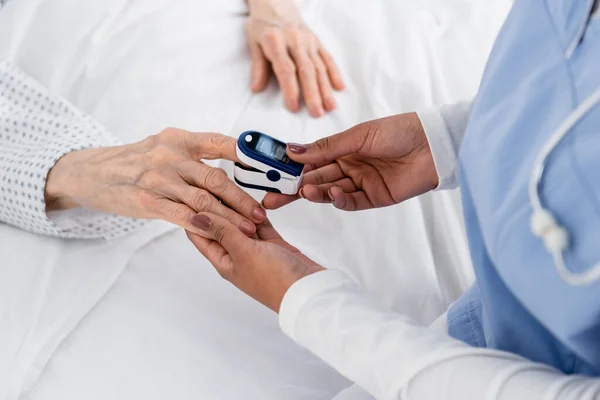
297,148
201,222
247,227
320,112
330,194
301,193
259,213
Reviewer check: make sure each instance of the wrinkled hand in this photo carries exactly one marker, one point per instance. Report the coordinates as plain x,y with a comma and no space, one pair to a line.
264,267
160,177
374,164
279,40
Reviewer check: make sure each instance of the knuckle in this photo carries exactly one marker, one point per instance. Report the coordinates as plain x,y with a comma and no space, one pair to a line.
323,145
168,133
319,178
295,35
161,154
178,213
306,69
287,67
216,179
149,179
219,233
244,200
201,201
322,51
147,201
150,141
216,140
271,36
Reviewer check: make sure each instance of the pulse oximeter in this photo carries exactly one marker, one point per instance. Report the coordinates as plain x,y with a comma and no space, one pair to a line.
266,165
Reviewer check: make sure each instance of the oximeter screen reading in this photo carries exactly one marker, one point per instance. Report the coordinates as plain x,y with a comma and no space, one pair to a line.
272,148
268,150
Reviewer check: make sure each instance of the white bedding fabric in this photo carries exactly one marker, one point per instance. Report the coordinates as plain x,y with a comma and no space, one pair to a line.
146,316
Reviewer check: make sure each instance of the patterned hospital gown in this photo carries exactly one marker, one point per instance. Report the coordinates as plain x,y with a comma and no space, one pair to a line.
36,129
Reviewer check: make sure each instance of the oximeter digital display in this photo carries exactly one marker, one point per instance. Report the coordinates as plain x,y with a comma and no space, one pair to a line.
265,164
272,148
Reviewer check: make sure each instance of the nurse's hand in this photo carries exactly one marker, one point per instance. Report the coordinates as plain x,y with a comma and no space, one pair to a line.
160,177
280,41
264,267
374,164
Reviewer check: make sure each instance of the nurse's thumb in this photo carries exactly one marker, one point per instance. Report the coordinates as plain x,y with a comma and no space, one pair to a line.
327,149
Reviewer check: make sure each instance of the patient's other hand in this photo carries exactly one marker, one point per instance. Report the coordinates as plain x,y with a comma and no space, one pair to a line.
374,164
160,177
279,40
264,267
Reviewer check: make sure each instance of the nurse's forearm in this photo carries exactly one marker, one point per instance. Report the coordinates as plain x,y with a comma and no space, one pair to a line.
392,357
445,128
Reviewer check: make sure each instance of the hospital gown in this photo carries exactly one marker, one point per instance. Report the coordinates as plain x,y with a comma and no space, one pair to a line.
36,129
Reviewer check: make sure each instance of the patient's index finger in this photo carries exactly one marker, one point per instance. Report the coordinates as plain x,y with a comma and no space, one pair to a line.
211,146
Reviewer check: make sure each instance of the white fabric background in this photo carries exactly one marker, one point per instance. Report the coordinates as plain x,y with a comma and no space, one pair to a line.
147,317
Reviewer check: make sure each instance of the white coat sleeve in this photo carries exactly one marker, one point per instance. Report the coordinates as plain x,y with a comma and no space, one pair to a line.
37,129
392,357
445,128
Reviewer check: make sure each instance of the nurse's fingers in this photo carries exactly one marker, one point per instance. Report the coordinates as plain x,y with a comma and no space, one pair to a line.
273,201
315,193
213,251
275,50
349,201
325,174
329,148
260,68
320,193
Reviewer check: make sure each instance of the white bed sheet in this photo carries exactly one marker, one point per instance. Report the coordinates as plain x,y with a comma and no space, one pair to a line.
147,317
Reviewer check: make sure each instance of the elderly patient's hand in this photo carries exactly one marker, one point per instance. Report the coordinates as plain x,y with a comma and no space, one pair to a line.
264,267
160,177
280,40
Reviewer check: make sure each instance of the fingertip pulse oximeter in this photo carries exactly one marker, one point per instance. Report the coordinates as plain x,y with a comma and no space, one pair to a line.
266,166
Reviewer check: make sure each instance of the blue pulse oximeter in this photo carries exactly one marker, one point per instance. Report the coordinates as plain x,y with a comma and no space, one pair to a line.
267,166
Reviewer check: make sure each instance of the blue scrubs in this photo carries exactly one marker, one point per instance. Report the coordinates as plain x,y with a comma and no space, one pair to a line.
545,62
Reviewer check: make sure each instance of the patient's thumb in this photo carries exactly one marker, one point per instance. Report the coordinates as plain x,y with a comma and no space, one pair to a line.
323,150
